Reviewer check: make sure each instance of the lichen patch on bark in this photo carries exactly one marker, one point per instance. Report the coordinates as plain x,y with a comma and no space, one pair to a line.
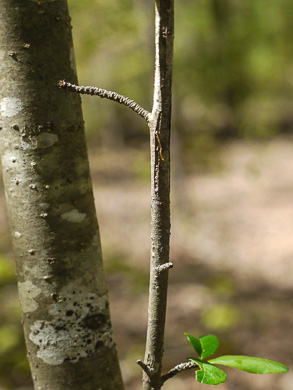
41,141
79,327
10,106
27,294
74,216
44,140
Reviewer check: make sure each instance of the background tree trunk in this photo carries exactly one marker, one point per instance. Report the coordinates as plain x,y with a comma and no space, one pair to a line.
50,203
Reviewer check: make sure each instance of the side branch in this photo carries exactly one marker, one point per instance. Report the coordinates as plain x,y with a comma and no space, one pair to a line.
179,368
144,367
164,267
103,93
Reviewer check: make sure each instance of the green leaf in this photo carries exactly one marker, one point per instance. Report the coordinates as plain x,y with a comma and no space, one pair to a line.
209,344
195,343
251,364
209,374
204,346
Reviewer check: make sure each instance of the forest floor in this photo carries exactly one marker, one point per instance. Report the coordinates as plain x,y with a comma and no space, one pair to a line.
232,249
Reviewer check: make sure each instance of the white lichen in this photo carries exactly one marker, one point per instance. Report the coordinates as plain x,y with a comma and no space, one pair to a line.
79,326
44,140
41,141
44,206
74,216
39,270
27,294
11,106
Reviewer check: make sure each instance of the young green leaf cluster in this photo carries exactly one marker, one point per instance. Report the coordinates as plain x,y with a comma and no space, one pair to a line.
210,374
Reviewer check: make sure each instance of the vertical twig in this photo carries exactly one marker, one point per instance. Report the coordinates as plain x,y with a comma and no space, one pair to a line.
160,192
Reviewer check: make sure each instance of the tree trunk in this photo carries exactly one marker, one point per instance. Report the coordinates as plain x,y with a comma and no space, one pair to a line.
50,203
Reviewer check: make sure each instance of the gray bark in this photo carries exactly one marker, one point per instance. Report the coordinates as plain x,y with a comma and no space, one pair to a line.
160,193
50,203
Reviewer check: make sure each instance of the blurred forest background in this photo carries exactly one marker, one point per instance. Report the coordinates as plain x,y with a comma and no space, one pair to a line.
232,187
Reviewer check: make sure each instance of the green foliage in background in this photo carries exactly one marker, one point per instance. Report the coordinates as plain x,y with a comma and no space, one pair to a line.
209,374
233,67
14,367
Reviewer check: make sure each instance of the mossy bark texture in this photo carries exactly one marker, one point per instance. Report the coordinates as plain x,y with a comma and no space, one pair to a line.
50,203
